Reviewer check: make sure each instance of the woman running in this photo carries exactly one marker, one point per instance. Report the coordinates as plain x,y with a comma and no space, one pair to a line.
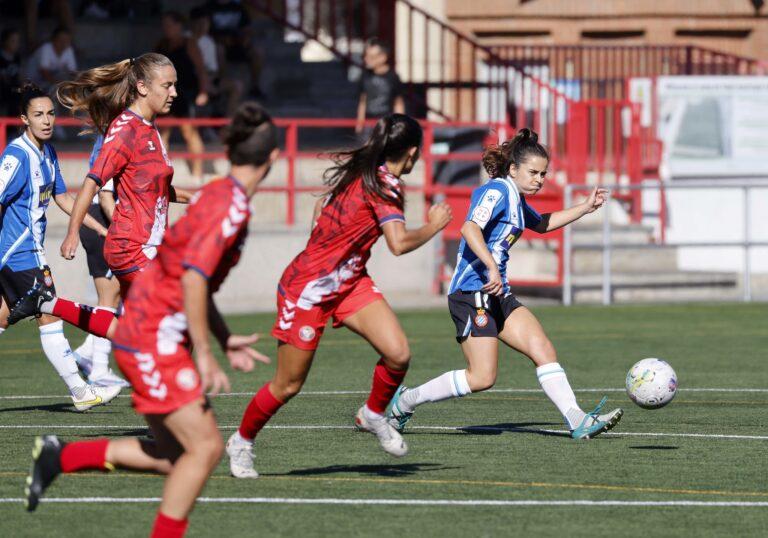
29,178
170,309
480,301
329,279
122,101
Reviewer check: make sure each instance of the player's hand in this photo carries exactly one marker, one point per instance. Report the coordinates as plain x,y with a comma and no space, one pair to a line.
494,286
212,378
69,246
201,99
241,355
440,215
595,201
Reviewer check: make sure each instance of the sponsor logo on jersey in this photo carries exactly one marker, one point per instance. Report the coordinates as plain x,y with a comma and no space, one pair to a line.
481,214
45,195
186,379
307,333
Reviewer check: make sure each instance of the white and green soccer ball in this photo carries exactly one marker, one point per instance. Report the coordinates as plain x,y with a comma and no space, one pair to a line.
651,383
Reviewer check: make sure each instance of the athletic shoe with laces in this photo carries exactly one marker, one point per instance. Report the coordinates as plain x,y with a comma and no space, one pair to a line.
389,438
396,417
108,379
240,457
28,305
46,466
595,423
91,396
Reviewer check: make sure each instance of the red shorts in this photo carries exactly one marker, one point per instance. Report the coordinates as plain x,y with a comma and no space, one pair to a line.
161,383
303,328
126,280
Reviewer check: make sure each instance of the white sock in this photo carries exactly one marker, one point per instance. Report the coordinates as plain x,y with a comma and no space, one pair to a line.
56,348
555,384
240,439
371,415
2,330
101,349
86,348
449,385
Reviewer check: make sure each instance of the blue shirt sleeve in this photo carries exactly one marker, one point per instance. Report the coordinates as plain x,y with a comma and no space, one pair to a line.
14,171
95,151
59,187
531,216
488,203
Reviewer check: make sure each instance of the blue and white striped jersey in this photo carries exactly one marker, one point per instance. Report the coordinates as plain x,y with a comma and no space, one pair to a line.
29,178
502,213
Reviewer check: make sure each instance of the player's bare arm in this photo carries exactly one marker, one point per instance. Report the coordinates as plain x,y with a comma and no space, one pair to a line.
76,217
473,235
401,240
558,219
195,286
66,202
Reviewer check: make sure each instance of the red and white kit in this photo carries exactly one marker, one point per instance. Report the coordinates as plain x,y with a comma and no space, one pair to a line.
152,342
134,156
328,278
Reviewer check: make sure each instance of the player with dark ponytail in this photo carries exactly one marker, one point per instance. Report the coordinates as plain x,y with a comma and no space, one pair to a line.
30,179
482,306
169,312
328,278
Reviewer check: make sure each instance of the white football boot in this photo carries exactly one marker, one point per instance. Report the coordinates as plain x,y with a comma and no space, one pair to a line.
92,396
240,454
389,438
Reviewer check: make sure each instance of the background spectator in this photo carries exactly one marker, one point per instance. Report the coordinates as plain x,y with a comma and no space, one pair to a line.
10,71
230,28
191,84
34,9
381,91
225,92
55,60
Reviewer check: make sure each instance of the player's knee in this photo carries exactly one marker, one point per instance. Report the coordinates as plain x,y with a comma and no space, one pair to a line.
210,450
542,350
288,389
399,356
480,381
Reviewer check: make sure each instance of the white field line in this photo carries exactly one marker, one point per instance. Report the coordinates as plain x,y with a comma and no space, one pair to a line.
400,502
55,427
354,392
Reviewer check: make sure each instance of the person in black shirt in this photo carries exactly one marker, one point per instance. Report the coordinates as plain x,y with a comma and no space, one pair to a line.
381,91
10,71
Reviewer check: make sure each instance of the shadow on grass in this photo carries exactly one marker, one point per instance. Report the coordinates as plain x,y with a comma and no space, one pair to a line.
402,469
62,407
654,447
128,432
496,429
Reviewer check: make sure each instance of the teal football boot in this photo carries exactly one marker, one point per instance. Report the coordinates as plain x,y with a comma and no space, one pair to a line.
396,417
594,423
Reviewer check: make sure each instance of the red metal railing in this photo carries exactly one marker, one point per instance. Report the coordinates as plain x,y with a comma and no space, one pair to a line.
600,71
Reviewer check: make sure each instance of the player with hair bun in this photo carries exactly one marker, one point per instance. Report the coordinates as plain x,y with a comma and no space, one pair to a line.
482,306
168,313
329,279
29,179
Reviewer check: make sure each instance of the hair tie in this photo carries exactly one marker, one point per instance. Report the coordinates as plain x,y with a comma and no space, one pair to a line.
131,62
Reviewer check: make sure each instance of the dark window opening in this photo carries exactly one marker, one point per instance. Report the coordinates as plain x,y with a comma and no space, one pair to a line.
511,33
736,33
611,34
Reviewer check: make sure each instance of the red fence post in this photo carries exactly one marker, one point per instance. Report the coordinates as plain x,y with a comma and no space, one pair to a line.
577,141
291,148
635,161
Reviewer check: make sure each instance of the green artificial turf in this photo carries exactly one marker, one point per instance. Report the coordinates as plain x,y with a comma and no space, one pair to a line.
507,456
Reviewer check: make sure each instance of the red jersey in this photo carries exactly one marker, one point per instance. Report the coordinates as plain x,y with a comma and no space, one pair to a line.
340,245
134,156
207,239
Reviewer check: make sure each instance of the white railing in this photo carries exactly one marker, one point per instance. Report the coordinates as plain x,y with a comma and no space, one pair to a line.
747,242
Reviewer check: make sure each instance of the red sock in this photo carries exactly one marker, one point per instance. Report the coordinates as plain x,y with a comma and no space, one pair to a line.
82,455
385,383
93,320
167,527
258,412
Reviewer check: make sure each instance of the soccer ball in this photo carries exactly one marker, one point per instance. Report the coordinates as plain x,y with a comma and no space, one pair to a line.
651,383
